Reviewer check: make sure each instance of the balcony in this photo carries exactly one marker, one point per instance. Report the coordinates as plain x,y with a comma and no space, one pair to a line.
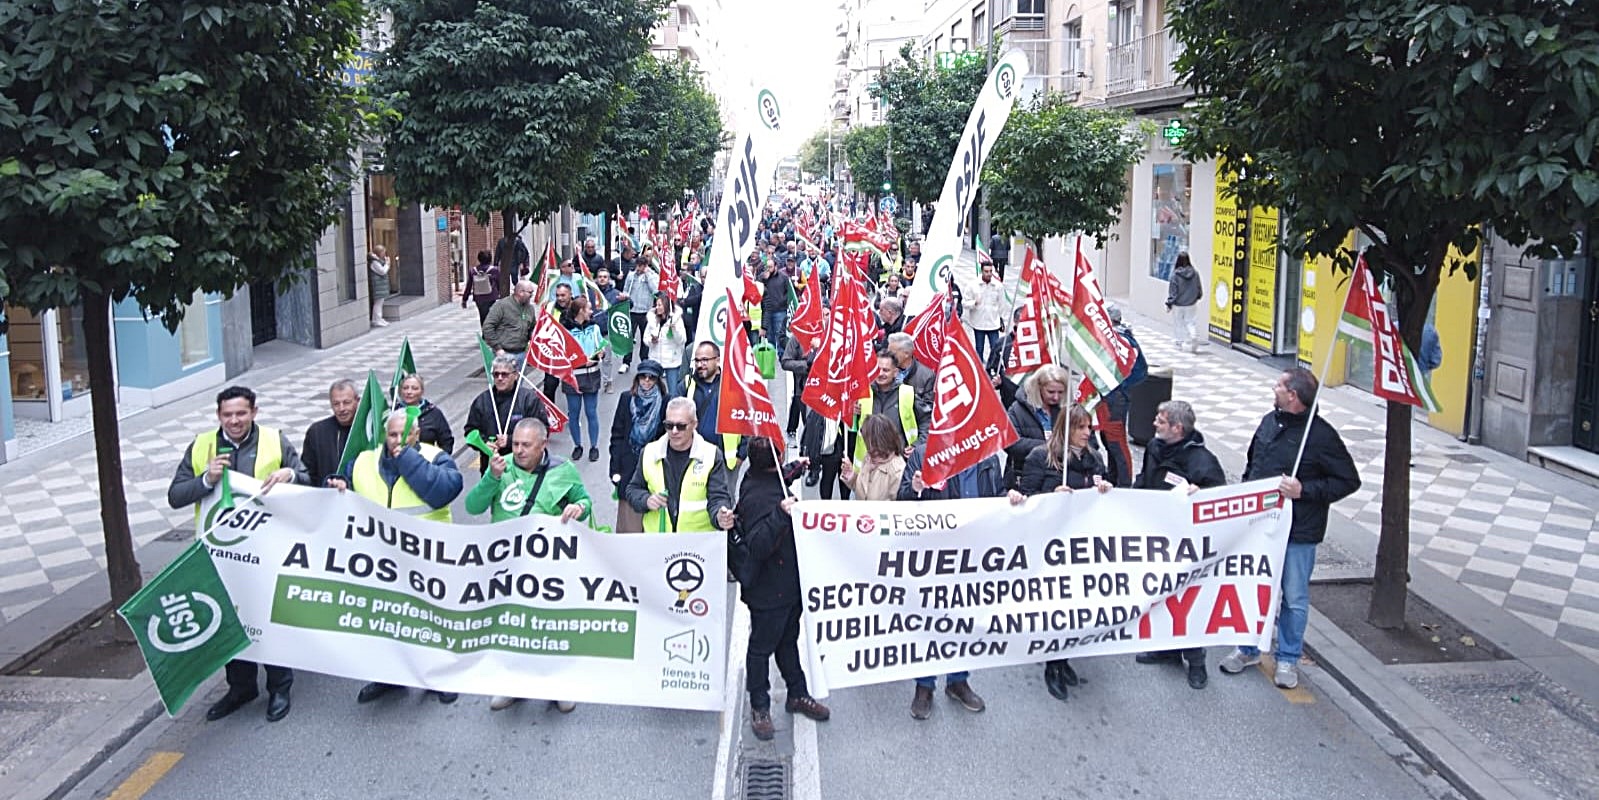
1141,73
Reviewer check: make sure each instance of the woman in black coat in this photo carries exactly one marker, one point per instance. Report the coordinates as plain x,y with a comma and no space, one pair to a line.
434,428
1064,463
640,419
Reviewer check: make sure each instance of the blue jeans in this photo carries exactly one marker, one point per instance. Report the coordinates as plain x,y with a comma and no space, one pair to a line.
986,341
776,327
1294,610
673,376
590,405
932,683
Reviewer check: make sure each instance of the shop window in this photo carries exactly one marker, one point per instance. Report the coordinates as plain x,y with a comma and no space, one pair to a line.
383,225
194,333
34,351
1168,228
29,380
344,252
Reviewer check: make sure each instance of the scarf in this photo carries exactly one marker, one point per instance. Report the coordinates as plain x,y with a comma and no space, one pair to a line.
646,416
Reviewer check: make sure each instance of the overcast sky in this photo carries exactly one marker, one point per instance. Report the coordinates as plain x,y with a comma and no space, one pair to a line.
789,47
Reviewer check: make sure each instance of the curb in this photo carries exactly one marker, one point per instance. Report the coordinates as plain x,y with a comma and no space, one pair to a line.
1473,768
139,705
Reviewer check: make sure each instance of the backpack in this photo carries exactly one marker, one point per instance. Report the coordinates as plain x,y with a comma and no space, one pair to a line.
482,282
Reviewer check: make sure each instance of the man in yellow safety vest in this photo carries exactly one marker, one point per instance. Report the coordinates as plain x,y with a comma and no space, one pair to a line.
265,453
681,482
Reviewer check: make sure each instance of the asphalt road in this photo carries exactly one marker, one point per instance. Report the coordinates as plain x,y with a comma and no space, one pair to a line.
1129,731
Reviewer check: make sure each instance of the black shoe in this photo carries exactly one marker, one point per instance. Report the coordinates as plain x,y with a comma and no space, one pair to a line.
447,698
1052,681
229,703
373,691
1197,677
1159,657
594,454
577,452
1068,675
277,705
813,478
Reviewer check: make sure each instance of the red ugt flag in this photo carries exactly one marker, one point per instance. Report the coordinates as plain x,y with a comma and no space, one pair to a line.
844,364
1029,350
668,284
969,422
808,323
927,328
744,407
552,349
558,418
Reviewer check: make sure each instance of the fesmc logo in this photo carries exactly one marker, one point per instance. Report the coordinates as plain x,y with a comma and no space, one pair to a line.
685,574
1238,506
191,620
237,518
940,274
771,116
1005,81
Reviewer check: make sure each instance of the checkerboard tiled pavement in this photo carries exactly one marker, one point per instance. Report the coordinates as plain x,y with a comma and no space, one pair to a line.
50,532
1492,524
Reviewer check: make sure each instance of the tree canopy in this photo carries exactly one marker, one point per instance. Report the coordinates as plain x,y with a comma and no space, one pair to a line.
814,156
1414,122
1059,168
500,103
926,108
866,150
693,132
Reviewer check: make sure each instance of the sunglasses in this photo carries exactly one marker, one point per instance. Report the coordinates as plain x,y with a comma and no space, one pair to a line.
503,374
677,426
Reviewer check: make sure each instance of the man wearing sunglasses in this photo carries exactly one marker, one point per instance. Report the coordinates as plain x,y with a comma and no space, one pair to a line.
497,410
681,482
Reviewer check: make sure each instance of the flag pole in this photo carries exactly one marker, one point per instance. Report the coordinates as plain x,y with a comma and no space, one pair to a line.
1321,377
777,457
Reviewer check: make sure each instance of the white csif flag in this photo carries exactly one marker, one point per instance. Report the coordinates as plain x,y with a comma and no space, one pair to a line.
950,230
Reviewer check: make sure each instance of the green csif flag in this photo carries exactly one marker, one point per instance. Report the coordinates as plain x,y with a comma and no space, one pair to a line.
185,625
619,325
488,358
366,430
405,366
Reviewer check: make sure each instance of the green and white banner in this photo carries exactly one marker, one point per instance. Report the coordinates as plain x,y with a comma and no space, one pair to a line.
532,607
185,625
950,230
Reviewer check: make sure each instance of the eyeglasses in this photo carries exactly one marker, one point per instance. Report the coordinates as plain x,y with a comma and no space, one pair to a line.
677,426
504,374
699,360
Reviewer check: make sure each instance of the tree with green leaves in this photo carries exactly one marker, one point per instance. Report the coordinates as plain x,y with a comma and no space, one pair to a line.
500,103
632,146
152,150
693,133
1059,169
818,152
1419,124
926,110
866,152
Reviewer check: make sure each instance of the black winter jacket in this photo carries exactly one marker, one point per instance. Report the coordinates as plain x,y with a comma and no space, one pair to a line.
1327,474
771,569
989,480
1030,434
492,404
1187,459
1038,477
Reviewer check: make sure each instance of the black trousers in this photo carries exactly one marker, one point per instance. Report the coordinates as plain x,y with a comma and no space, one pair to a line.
551,384
641,319
241,677
773,631
796,409
830,468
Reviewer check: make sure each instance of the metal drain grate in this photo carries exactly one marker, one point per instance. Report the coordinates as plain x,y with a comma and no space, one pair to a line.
765,779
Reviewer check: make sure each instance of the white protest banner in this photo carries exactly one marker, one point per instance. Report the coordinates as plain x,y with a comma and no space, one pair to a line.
900,590
750,176
950,231
531,607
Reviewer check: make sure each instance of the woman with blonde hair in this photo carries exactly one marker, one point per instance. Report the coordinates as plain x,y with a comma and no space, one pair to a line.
878,477
1064,463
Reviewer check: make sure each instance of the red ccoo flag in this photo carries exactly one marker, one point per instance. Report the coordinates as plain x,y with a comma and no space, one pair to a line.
744,406
552,349
1028,350
969,422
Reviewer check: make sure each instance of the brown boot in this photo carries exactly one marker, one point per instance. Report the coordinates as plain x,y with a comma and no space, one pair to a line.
962,692
761,724
922,703
808,706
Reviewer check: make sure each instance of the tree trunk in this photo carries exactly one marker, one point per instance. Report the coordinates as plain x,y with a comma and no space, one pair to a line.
122,566
1393,548
508,276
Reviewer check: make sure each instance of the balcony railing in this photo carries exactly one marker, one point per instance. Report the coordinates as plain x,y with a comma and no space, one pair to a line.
1144,63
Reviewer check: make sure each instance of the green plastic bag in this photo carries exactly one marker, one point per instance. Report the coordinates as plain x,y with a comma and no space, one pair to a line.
766,360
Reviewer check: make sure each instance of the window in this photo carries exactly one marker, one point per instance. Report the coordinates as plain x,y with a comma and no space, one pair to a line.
980,32
194,334
1168,229
1072,57
1123,22
1029,8
954,33
344,251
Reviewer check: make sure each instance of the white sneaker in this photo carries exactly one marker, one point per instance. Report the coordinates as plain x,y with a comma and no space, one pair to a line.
620,368
380,323
565,706
501,702
1237,661
1287,676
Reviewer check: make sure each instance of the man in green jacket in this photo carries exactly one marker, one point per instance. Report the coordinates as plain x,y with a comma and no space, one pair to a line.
534,481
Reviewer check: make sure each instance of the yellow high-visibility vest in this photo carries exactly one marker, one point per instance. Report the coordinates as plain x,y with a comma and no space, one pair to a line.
368,482
691,512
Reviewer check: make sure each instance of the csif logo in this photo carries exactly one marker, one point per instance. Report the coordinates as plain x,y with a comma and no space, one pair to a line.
771,115
941,272
719,320
187,620
1237,506
230,525
1005,81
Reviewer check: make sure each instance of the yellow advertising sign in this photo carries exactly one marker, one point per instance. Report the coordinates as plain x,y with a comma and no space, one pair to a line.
1260,320
1228,245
